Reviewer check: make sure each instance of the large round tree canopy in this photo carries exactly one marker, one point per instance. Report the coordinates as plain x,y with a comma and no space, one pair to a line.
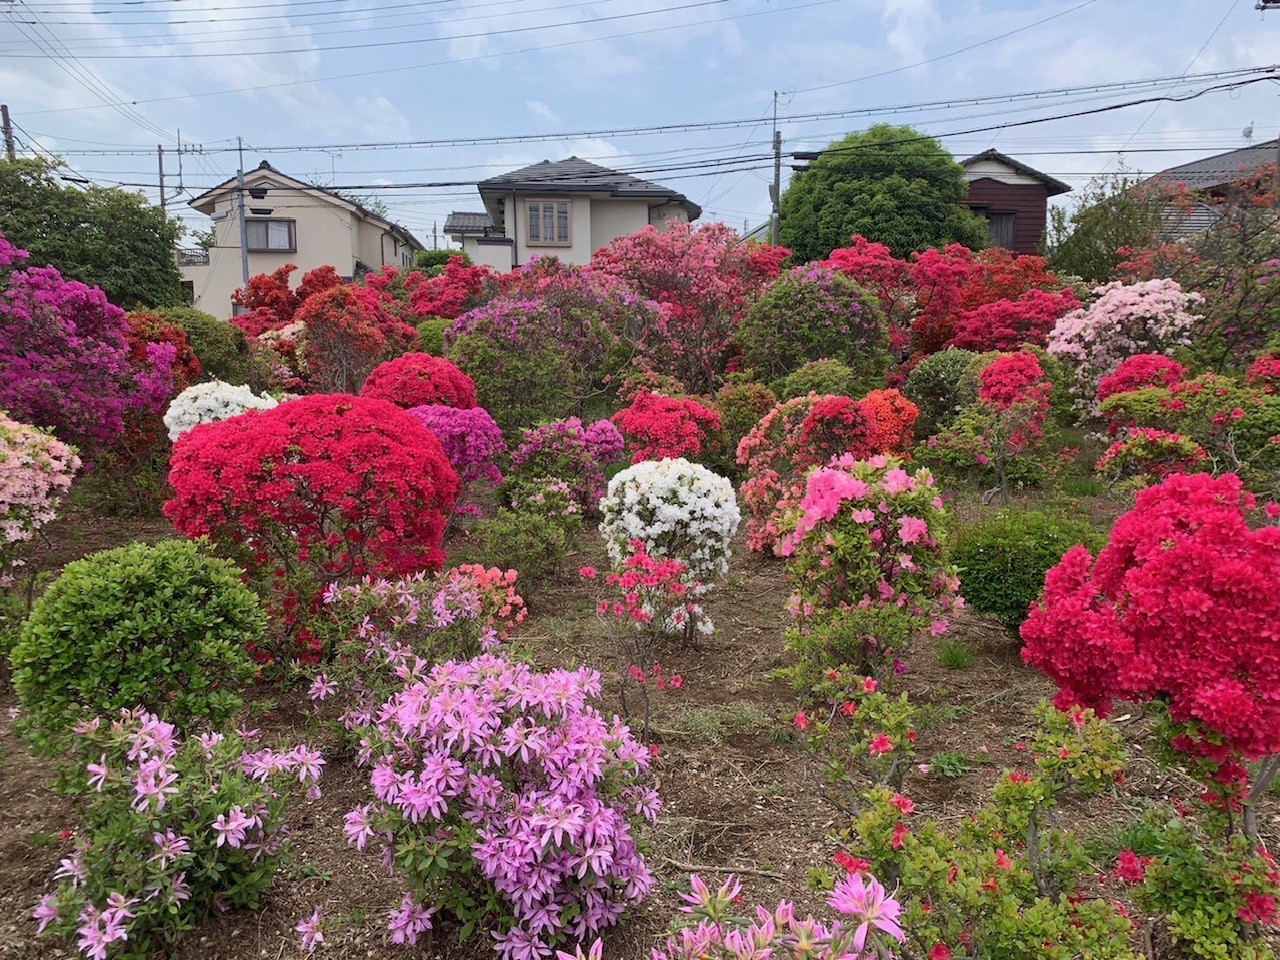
889,184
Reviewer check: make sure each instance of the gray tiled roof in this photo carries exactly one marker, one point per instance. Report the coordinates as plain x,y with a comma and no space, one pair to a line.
464,221
575,175
1219,169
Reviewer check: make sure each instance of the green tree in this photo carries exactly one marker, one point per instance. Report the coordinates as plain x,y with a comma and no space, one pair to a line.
102,236
889,184
1109,213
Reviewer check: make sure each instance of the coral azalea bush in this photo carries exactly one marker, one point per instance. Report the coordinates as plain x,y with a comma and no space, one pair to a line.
505,802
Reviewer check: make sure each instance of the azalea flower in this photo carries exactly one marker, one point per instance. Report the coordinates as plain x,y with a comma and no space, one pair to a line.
863,898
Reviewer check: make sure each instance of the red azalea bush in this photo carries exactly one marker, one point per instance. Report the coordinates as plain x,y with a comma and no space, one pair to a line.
833,427
315,491
1009,324
875,268
1139,371
419,379
1179,607
452,293
1014,378
270,303
348,332
704,277
1264,372
658,427
892,418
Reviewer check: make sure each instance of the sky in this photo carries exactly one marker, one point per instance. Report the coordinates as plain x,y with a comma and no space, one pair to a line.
102,82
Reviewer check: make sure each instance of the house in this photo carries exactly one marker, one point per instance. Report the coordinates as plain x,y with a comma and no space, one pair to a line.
1211,176
287,221
1013,197
567,208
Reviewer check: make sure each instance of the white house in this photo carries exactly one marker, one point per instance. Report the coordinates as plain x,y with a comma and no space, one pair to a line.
288,221
570,208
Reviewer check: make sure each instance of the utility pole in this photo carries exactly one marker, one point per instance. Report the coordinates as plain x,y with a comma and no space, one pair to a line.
10,150
435,235
775,188
160,160
244,226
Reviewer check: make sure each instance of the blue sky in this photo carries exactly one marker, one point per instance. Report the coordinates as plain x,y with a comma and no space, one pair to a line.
437,69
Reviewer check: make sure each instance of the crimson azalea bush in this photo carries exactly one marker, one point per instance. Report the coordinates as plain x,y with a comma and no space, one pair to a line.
812,313
66,359
658,427
455,290
704,277
315,491
1178,608
1264,372
177,829
1139,371
419,379
269,301
865,547
35,473
523,826
1011,324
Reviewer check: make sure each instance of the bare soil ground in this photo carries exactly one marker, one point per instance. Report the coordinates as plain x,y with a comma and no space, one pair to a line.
739,794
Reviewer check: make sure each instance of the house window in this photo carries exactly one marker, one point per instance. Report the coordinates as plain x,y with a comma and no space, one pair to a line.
1000,229
272,236
548,222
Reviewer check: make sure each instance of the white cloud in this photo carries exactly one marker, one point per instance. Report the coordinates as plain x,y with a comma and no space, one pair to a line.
540,109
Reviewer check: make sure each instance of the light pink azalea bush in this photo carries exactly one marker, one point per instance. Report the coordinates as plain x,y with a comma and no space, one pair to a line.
174,830
1151,317
505,802
35,471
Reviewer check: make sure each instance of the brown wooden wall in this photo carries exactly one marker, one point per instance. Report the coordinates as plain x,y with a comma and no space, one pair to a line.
1029,202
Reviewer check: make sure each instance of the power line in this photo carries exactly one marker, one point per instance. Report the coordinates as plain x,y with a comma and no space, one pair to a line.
391,43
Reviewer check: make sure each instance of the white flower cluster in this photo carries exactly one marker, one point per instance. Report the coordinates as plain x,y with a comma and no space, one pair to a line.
210,402
678,510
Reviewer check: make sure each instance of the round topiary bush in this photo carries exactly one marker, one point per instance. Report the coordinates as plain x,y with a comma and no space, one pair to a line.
164,626
811,313
418,380
932,386
1003,559
825,376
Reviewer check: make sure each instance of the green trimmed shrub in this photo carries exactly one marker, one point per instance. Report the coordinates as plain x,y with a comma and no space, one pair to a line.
931,386
219,345
825,377
430,337
1003,559
526,539
429,260
163,626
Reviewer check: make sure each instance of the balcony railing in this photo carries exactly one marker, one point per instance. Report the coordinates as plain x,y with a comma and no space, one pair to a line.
193,257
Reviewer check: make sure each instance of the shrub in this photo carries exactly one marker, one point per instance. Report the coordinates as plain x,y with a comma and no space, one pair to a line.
176,830
1003,559
147,328
1152,316
1012,324
892,419
1143,456
35,473
523,373
814,313
431,259
520,846
66,361
867,535
658,427
159,625
1178,606
450,292
348,333
568,451
210,402
220,346
419,379
316,490
932,387
827,376
678,510
740,404
430,338
470,439
1139,371
532,540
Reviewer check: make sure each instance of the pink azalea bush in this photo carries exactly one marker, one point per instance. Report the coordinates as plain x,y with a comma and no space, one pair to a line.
35,472
175,830
569,451
505,800
865,546
1151,316
66,360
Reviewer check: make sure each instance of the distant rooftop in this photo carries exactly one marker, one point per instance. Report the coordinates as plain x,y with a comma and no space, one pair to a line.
1055,186
1219,169
468,222
576,175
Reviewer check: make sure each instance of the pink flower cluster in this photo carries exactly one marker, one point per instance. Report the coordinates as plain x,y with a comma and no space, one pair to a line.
651,590
571,452
661,427
471,440
526,793
35,472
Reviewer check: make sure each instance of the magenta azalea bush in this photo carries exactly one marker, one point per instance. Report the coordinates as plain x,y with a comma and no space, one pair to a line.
35,472
505,802
175,829
65,359
471,440
566,450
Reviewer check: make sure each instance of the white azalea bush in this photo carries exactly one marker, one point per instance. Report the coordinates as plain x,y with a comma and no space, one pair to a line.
210,402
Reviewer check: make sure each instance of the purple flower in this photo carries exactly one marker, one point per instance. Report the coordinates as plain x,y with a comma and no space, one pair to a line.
409,921
864,899
46,912
309,935
98,773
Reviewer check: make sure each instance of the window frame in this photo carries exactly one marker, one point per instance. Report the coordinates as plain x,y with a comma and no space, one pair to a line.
293,235
530,203
1007,216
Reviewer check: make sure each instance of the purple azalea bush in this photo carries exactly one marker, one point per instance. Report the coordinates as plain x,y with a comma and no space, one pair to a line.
471,440
506,802
566,450
65,357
